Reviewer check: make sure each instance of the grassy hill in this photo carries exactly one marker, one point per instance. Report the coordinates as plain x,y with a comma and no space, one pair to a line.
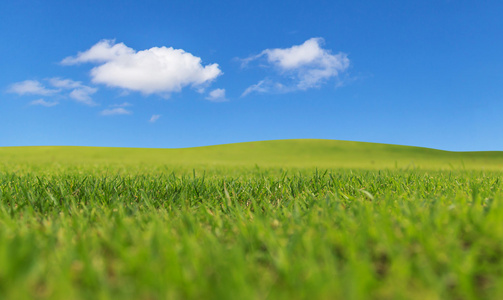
306,153
251,221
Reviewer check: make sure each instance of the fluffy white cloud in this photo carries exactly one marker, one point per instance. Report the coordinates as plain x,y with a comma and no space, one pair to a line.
298,56
308,64
103,51
156,70
154,118
115,111
42,102
217,95
31,87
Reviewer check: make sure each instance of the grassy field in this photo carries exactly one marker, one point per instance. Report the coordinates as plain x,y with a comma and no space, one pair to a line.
292,219
303,154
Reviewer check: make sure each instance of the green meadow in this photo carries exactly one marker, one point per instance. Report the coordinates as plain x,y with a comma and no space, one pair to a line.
323,154
290,219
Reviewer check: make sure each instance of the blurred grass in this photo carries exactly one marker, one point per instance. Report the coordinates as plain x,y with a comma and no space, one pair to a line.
299,219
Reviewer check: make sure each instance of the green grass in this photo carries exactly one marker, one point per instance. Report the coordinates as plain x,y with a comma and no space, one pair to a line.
282,153
267,220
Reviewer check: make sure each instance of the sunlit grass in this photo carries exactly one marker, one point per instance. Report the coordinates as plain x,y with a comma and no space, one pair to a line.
156,228
277,154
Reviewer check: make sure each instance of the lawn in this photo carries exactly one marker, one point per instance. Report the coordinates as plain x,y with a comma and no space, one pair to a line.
290,219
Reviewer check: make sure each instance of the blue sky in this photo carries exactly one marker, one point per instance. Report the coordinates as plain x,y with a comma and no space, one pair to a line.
193,73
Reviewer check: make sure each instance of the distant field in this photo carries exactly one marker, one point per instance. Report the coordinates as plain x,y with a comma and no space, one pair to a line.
293,219
281,153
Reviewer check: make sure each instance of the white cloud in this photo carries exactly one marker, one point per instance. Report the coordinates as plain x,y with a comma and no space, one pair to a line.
217,95
64,88
305,66
81,93
158,70
103,51
267,86
124,104
115,111
297,56
42,102
154,118
64,83
31,87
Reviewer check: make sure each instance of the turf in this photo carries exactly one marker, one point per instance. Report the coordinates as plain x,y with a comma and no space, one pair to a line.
291,219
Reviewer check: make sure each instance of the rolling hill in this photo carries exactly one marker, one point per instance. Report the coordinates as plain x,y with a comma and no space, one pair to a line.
302,153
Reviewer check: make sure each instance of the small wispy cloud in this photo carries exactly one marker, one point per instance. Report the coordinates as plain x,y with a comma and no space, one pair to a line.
217,95
303,66
62,88
124,104
31,87
267,86
115,111
79,92
42,102
83,95
64,83
154,118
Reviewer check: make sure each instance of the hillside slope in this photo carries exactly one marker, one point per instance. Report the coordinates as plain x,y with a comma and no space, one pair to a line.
278,153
